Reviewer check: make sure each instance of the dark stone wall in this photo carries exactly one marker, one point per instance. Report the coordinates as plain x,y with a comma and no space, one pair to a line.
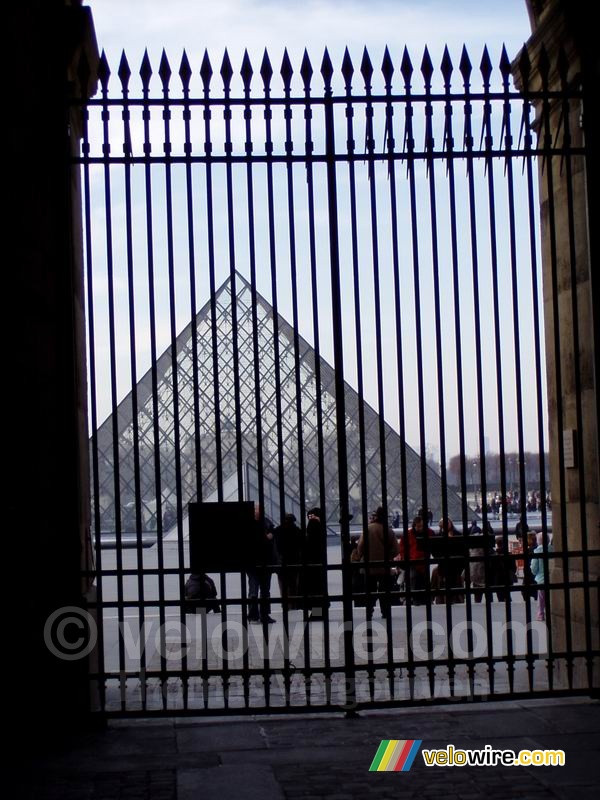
48,487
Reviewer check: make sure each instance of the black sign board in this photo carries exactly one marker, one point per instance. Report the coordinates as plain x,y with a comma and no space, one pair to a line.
220,536
441,547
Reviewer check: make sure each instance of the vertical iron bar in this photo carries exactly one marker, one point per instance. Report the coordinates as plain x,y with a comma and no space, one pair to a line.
515,300
206,73
113,382
351,147
528,159
489,166
289,149
347,564
370,150
496,293
127,152
391,148
210,231
289,146
430,167
309,148
154,371
410,157
409,147
410,143
465,67
268,115
255,350
338,360
205,669
359,351
234,340
185,74
449,145
245,641
232,278
167,149
189,188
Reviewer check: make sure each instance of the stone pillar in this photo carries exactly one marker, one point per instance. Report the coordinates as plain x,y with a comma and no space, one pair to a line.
569,253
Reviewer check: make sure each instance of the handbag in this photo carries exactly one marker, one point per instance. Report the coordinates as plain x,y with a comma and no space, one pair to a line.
397,589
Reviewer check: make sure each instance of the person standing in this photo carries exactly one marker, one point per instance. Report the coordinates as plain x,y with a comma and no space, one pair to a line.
481,549
262,555
504,569
448,572
380,544
538,569
316,564
529,587
288,550
415,557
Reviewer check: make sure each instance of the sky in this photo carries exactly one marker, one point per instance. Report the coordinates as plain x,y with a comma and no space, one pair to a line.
311,24
254,25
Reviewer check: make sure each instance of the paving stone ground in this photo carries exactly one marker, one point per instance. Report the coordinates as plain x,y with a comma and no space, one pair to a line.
319,756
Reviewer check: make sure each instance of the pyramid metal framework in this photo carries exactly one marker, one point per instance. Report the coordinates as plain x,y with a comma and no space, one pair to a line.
207,456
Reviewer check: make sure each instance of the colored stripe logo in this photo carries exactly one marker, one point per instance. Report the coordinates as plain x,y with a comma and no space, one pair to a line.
395,755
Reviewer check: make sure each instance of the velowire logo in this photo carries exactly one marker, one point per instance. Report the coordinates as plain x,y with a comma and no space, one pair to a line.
395,755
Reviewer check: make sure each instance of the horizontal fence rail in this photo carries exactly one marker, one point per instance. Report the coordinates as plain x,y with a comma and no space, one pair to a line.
323,298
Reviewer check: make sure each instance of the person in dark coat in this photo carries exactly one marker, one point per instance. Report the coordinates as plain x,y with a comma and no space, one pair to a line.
504,570
521,531
315,570
448,572
201,593
379,544
260,568
288,550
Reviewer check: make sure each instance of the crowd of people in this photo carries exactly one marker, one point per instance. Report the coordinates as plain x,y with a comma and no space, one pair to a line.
418,566
510,503
440,567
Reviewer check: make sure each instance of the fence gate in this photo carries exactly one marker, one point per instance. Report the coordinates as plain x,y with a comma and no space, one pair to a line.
320,287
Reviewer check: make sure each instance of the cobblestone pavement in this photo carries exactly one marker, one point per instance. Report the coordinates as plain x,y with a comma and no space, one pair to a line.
318,756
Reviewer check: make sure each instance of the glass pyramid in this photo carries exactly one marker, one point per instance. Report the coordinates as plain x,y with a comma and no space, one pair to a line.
213,452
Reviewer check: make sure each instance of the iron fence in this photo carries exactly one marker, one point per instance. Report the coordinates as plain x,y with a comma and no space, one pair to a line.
315,296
